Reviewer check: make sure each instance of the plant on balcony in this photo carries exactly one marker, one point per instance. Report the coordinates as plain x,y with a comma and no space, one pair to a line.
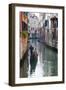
24,34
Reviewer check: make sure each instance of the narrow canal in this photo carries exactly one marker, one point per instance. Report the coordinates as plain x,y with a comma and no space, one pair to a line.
46,63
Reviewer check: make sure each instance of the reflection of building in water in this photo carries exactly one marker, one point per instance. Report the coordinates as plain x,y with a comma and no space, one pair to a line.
24,65
33,61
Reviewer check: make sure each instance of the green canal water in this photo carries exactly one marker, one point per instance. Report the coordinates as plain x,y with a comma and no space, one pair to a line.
45,65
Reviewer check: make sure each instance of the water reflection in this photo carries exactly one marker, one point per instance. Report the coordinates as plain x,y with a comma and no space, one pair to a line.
40,61
33,60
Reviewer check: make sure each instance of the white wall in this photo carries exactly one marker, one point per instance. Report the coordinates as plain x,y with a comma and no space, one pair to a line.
4,45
